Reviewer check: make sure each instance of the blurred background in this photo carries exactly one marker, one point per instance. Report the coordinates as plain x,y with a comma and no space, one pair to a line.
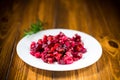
99,18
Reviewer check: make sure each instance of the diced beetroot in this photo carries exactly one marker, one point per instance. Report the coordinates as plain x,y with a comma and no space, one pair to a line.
40,42
61,41
33,45
75,54
56,45
49,55
38,47
84,50
61,34
77,37
49,38
60,48
64,38
32,53
50,60
46,49
75,58
45,39
37,55
68,53
58,56
55,53
61,61
79,55
67,43
78,48
68,59
52,49
73,44
44,45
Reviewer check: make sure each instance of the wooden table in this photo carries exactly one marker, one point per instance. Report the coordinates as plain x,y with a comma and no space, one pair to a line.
99,18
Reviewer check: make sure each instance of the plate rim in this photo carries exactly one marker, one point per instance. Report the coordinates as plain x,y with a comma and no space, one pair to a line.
62,65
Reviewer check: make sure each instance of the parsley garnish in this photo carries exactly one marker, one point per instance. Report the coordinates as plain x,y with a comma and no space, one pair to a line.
34,28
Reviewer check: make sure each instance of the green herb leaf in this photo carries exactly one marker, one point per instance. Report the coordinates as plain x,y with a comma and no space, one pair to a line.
34,28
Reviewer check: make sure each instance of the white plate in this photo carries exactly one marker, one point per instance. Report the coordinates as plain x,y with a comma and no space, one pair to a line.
94,51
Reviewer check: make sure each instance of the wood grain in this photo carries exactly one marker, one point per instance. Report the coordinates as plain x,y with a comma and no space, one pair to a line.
99,18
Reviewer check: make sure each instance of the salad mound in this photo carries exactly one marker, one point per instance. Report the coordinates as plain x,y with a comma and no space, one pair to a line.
58,48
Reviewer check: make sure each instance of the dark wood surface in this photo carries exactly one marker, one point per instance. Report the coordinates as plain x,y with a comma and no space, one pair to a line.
99,18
